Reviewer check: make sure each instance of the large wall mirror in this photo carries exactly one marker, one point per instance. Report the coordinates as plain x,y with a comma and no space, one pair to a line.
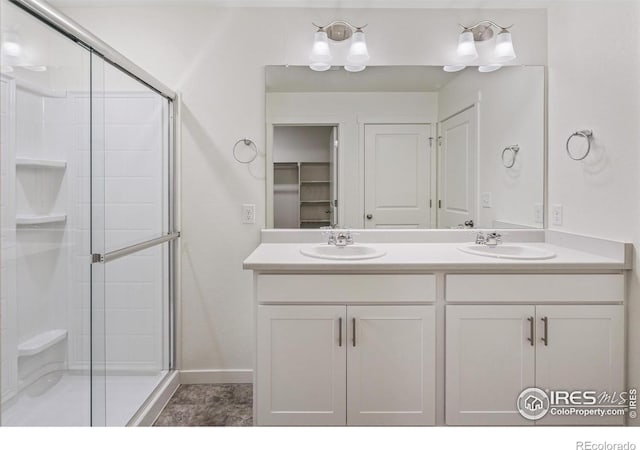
405,147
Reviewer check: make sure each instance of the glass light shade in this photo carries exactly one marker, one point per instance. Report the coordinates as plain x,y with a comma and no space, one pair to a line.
466,50
504,47
320,66
10,44
320,52
457,68
489,68
358,53
350,68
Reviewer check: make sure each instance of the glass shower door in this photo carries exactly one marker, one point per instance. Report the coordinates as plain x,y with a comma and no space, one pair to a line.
44,209
130,243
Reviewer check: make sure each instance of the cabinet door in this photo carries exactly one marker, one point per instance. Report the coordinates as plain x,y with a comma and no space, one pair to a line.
489,361
301,365
391,365
584,350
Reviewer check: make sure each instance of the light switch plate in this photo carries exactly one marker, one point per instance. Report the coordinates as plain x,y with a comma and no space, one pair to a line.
538,213
485,199
248,214
556,215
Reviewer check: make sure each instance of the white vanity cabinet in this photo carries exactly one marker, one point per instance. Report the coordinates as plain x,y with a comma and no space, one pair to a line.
494,351
364,357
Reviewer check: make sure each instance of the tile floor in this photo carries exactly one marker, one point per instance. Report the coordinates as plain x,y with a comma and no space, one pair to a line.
209,405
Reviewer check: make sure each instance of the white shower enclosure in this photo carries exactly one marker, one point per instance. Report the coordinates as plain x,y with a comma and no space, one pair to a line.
87,228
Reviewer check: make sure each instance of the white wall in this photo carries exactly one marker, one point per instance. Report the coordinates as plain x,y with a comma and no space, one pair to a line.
216,58
511,111
594,84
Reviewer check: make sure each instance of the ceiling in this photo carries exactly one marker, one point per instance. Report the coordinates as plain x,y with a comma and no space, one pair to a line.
325,3
373,79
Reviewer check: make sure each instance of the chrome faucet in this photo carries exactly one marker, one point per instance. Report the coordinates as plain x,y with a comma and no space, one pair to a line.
493,239
339,238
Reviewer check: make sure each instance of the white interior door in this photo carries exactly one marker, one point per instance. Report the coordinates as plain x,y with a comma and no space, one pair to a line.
301,365
397,176
583,349
489,361
458,169
391,365
333,174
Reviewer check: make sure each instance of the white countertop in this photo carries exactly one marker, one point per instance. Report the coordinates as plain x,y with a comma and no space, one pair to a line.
286,257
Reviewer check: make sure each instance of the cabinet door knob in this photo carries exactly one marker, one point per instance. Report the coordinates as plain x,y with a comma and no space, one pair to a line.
369,216
340,332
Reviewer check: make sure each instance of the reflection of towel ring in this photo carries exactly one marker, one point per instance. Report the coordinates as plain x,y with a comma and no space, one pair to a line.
248,143
587,134
514,149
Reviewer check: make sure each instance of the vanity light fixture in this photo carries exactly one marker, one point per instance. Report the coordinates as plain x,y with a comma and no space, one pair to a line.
338,31
466,51
320,57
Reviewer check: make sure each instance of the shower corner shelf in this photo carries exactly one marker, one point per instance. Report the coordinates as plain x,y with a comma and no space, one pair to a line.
39,220
41,163
41,342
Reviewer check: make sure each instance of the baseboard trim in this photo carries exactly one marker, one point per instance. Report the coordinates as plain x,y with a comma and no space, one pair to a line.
154,405
216,376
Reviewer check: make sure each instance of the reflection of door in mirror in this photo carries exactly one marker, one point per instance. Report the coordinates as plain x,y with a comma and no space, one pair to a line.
457,174
304,187
397,176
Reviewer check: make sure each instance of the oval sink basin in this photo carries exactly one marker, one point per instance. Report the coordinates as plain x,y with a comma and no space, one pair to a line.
508,251
349,252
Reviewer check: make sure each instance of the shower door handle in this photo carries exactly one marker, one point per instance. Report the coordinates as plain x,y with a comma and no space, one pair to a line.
115,254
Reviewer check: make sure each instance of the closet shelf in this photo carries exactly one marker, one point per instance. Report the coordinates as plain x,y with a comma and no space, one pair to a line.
315,182
315,221
41,163
41,342
38,220
315,202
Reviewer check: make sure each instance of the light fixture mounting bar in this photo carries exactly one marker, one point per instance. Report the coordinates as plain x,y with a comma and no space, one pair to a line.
483,30
339,30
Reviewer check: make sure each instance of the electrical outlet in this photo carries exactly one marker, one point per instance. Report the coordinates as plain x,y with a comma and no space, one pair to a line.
248,213
485,199
556,215
538,213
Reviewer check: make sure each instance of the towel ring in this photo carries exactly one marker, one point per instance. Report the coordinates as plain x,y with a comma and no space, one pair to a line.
248,143
588,135
514,149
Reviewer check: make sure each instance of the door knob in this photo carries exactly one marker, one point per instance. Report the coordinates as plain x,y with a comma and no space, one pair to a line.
369,216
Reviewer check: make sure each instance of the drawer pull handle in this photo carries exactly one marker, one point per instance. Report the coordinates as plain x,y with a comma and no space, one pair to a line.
354,331
340,332
545,337
530,338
